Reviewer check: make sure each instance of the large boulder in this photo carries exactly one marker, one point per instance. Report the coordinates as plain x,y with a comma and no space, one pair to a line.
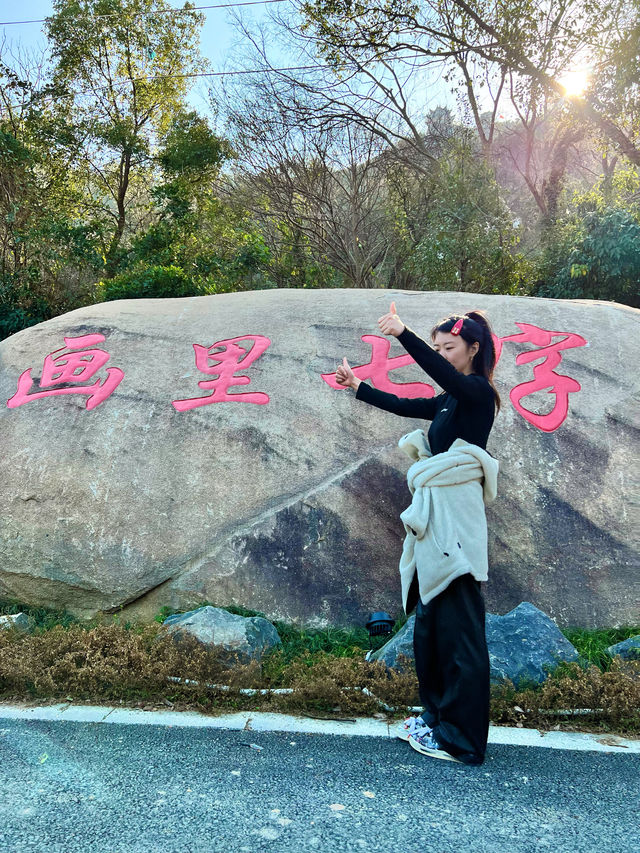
524,645
132,477
244,638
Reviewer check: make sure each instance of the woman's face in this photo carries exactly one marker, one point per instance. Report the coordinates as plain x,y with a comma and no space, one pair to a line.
456,350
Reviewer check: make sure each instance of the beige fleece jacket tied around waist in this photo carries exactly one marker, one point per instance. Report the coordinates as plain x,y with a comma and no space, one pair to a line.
446,526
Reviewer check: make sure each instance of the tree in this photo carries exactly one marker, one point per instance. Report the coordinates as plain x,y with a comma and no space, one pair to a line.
327,185
599,258
542,145
196,244
615,90
532,41
47,256
123,66
594,250
470,240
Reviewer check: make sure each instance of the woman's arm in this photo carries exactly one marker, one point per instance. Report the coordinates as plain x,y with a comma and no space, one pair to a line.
417,407
469,387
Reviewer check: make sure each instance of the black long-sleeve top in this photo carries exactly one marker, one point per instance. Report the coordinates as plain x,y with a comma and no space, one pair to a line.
465,409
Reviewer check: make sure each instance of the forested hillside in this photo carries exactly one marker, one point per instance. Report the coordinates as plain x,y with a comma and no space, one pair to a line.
450,145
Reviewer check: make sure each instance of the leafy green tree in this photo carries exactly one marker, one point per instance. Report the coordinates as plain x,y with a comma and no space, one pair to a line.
48,253
470,241
124,66
593,252
198,243
190,158
595,257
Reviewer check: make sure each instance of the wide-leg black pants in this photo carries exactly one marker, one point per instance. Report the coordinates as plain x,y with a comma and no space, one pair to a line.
452,664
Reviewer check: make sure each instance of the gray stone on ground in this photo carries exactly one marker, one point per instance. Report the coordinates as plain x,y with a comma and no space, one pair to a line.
524,645
627,649
246,638
401,644
20,621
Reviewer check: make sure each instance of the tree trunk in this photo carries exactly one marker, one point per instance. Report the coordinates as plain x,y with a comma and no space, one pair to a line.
125,168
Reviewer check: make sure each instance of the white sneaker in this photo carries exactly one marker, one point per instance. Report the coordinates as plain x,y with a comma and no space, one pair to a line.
423,743
410,726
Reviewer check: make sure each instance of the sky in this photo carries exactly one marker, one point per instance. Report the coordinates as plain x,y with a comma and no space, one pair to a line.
220,43
219,40
217,35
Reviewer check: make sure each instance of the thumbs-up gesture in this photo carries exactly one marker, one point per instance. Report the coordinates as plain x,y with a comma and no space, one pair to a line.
345,376
391,324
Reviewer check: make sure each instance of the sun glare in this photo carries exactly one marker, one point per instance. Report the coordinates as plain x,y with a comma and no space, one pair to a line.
575,82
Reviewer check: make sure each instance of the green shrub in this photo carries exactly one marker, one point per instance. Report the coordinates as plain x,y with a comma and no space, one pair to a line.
150,282
595,256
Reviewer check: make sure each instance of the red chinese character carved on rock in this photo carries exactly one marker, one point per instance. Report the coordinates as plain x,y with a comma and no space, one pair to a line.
222,360
379,367
545,377
66,368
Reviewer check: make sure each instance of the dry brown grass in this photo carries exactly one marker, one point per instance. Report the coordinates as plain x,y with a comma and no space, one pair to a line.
108,662
322,682
115,664
604,701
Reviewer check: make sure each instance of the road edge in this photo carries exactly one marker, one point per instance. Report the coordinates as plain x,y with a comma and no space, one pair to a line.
261,721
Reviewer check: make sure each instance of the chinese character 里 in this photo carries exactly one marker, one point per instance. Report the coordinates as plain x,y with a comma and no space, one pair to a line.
222,360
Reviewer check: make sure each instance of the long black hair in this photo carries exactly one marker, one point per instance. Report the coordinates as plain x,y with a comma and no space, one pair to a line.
475,329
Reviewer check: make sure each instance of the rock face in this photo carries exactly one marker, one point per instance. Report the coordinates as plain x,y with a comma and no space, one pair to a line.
135,474
245,638
627,649
523,645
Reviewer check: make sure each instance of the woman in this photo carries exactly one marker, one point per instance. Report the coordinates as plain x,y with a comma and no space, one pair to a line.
445,551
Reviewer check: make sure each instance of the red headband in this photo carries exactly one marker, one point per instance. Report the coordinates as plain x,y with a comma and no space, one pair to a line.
457,327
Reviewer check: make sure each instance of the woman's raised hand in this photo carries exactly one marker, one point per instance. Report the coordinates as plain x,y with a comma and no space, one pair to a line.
391,324
345,376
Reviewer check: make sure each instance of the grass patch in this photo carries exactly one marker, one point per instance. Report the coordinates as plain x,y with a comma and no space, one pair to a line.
592,644
42,618
109,660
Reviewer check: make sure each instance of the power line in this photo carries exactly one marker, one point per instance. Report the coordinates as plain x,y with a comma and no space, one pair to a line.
251,71
172,10
121,83
223,73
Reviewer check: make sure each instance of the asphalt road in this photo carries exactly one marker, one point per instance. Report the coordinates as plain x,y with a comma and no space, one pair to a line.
67,787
